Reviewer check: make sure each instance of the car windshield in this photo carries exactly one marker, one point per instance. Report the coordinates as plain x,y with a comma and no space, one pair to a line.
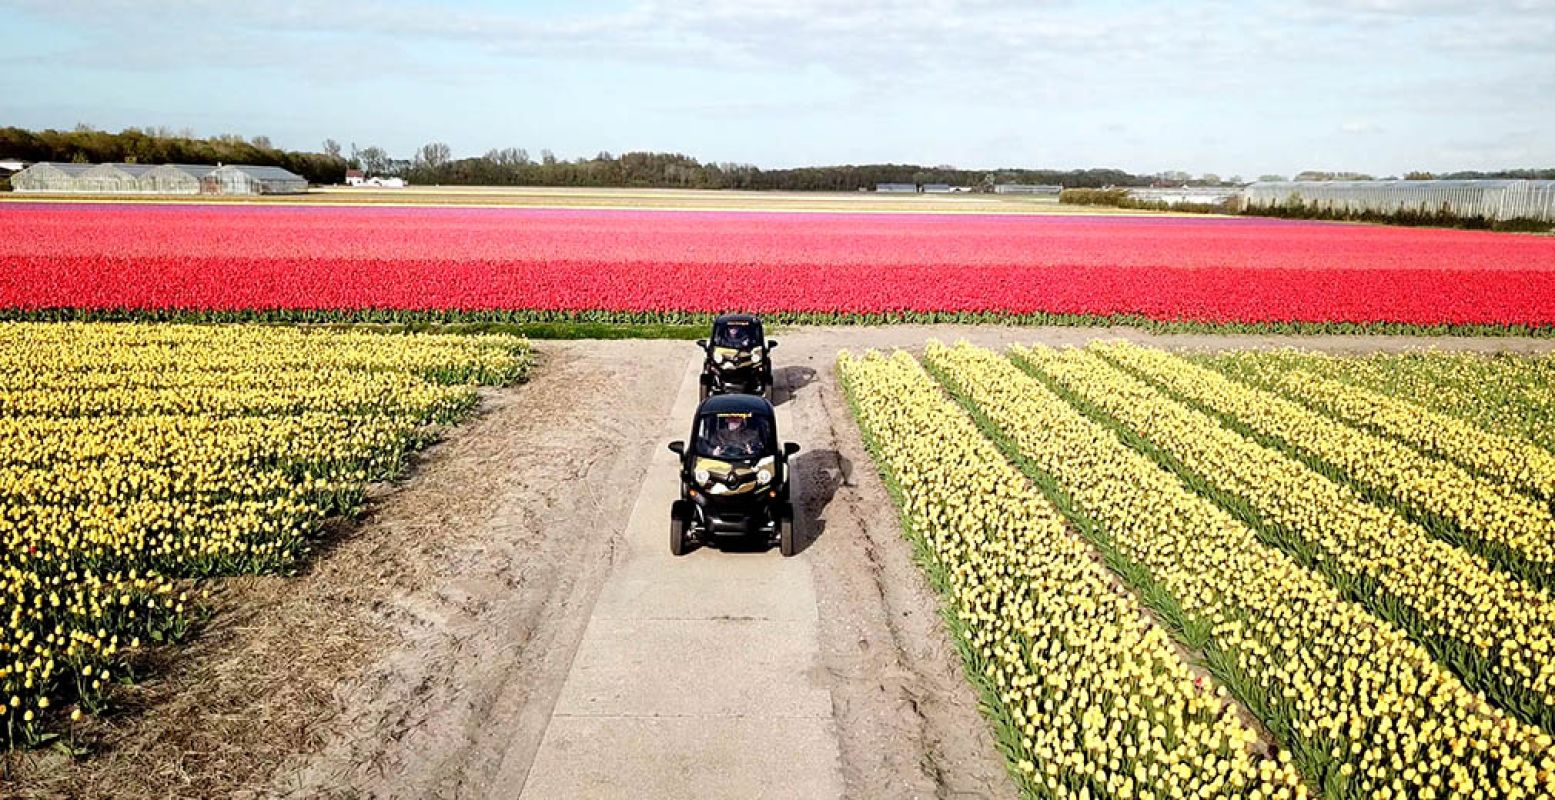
733,435
739,335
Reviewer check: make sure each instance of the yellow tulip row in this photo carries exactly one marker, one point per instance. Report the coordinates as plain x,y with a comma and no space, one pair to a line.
100,348
1514,530
1497,633
1365,710
137,456
1510,459
1506,394
1096,699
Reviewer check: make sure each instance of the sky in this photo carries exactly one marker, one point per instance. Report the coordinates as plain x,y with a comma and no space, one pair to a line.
1242,87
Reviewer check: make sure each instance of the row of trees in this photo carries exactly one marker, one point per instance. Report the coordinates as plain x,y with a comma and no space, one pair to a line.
163,146
513,166
434,163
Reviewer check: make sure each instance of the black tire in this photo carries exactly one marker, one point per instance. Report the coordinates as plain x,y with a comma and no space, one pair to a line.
768,392
788,538
679,539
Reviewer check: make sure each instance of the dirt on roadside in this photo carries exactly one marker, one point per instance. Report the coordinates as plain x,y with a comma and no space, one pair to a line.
429,641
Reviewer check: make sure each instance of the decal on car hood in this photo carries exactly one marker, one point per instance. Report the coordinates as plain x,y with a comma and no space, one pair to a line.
727,478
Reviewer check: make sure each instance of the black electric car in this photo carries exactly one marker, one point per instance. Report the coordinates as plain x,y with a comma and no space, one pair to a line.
739,358
734,476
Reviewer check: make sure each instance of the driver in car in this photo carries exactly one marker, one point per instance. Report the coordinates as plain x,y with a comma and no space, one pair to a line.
737,337
734,438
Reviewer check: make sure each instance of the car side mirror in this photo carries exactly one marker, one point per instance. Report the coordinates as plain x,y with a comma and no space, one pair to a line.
771,343
790,448
678,447
702,343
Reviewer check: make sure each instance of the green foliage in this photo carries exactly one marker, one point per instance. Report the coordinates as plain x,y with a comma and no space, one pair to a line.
691,324
1296,208
160,147
1120,198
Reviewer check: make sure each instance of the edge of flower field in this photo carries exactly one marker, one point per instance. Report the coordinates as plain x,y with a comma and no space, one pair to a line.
1192,635
675,324
1499,556
1006,735
338,506
1360,589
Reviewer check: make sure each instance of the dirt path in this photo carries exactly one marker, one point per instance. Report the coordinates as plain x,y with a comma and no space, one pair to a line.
426,651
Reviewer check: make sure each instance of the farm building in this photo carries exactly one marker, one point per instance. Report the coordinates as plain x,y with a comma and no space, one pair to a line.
937,188
172,179
46,177
50,178
897,188
1027,188
1489,199
244,179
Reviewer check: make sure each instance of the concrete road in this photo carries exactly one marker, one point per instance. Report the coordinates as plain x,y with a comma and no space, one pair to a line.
697,676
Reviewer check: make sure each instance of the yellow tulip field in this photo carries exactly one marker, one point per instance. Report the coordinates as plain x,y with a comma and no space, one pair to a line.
140,459
1329,598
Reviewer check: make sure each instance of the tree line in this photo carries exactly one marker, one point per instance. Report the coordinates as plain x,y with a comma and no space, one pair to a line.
434,164
159,146
514,166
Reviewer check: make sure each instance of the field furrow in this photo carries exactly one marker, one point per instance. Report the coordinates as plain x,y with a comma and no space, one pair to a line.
1495,632
137,457
1506,459
1091,699
1513,531
1365,711
1505,395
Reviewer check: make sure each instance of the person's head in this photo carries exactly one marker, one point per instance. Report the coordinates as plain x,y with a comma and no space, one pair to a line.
733,423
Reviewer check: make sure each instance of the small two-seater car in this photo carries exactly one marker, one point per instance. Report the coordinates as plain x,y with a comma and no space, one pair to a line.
739,358
734,476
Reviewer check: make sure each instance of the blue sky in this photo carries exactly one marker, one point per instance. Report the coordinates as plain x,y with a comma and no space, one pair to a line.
1249,87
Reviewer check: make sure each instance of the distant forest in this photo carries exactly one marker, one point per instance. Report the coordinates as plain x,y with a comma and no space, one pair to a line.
164,147
434,164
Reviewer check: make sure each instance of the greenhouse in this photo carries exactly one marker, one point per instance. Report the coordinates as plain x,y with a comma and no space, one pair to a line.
173,179
1487,199
46,177
232,179
244,179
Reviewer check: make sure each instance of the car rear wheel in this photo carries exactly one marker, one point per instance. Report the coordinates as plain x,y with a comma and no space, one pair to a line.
679,540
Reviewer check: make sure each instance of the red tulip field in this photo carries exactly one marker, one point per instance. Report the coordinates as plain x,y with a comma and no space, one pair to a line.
237,262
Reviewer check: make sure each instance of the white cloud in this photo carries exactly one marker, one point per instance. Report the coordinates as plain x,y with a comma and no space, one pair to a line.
1191,80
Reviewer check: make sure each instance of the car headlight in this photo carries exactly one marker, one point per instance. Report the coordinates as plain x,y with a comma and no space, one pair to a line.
702,477
763,477
718,358
756,353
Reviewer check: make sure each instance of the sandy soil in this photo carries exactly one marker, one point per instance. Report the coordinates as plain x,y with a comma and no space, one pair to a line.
429,642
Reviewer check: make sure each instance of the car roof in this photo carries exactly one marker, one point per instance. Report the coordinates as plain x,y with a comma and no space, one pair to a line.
736,404
722,319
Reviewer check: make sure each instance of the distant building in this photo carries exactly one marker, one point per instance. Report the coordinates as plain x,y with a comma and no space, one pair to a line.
355,177
897,188
10,165
231,179
245,179
937,188
1027,188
